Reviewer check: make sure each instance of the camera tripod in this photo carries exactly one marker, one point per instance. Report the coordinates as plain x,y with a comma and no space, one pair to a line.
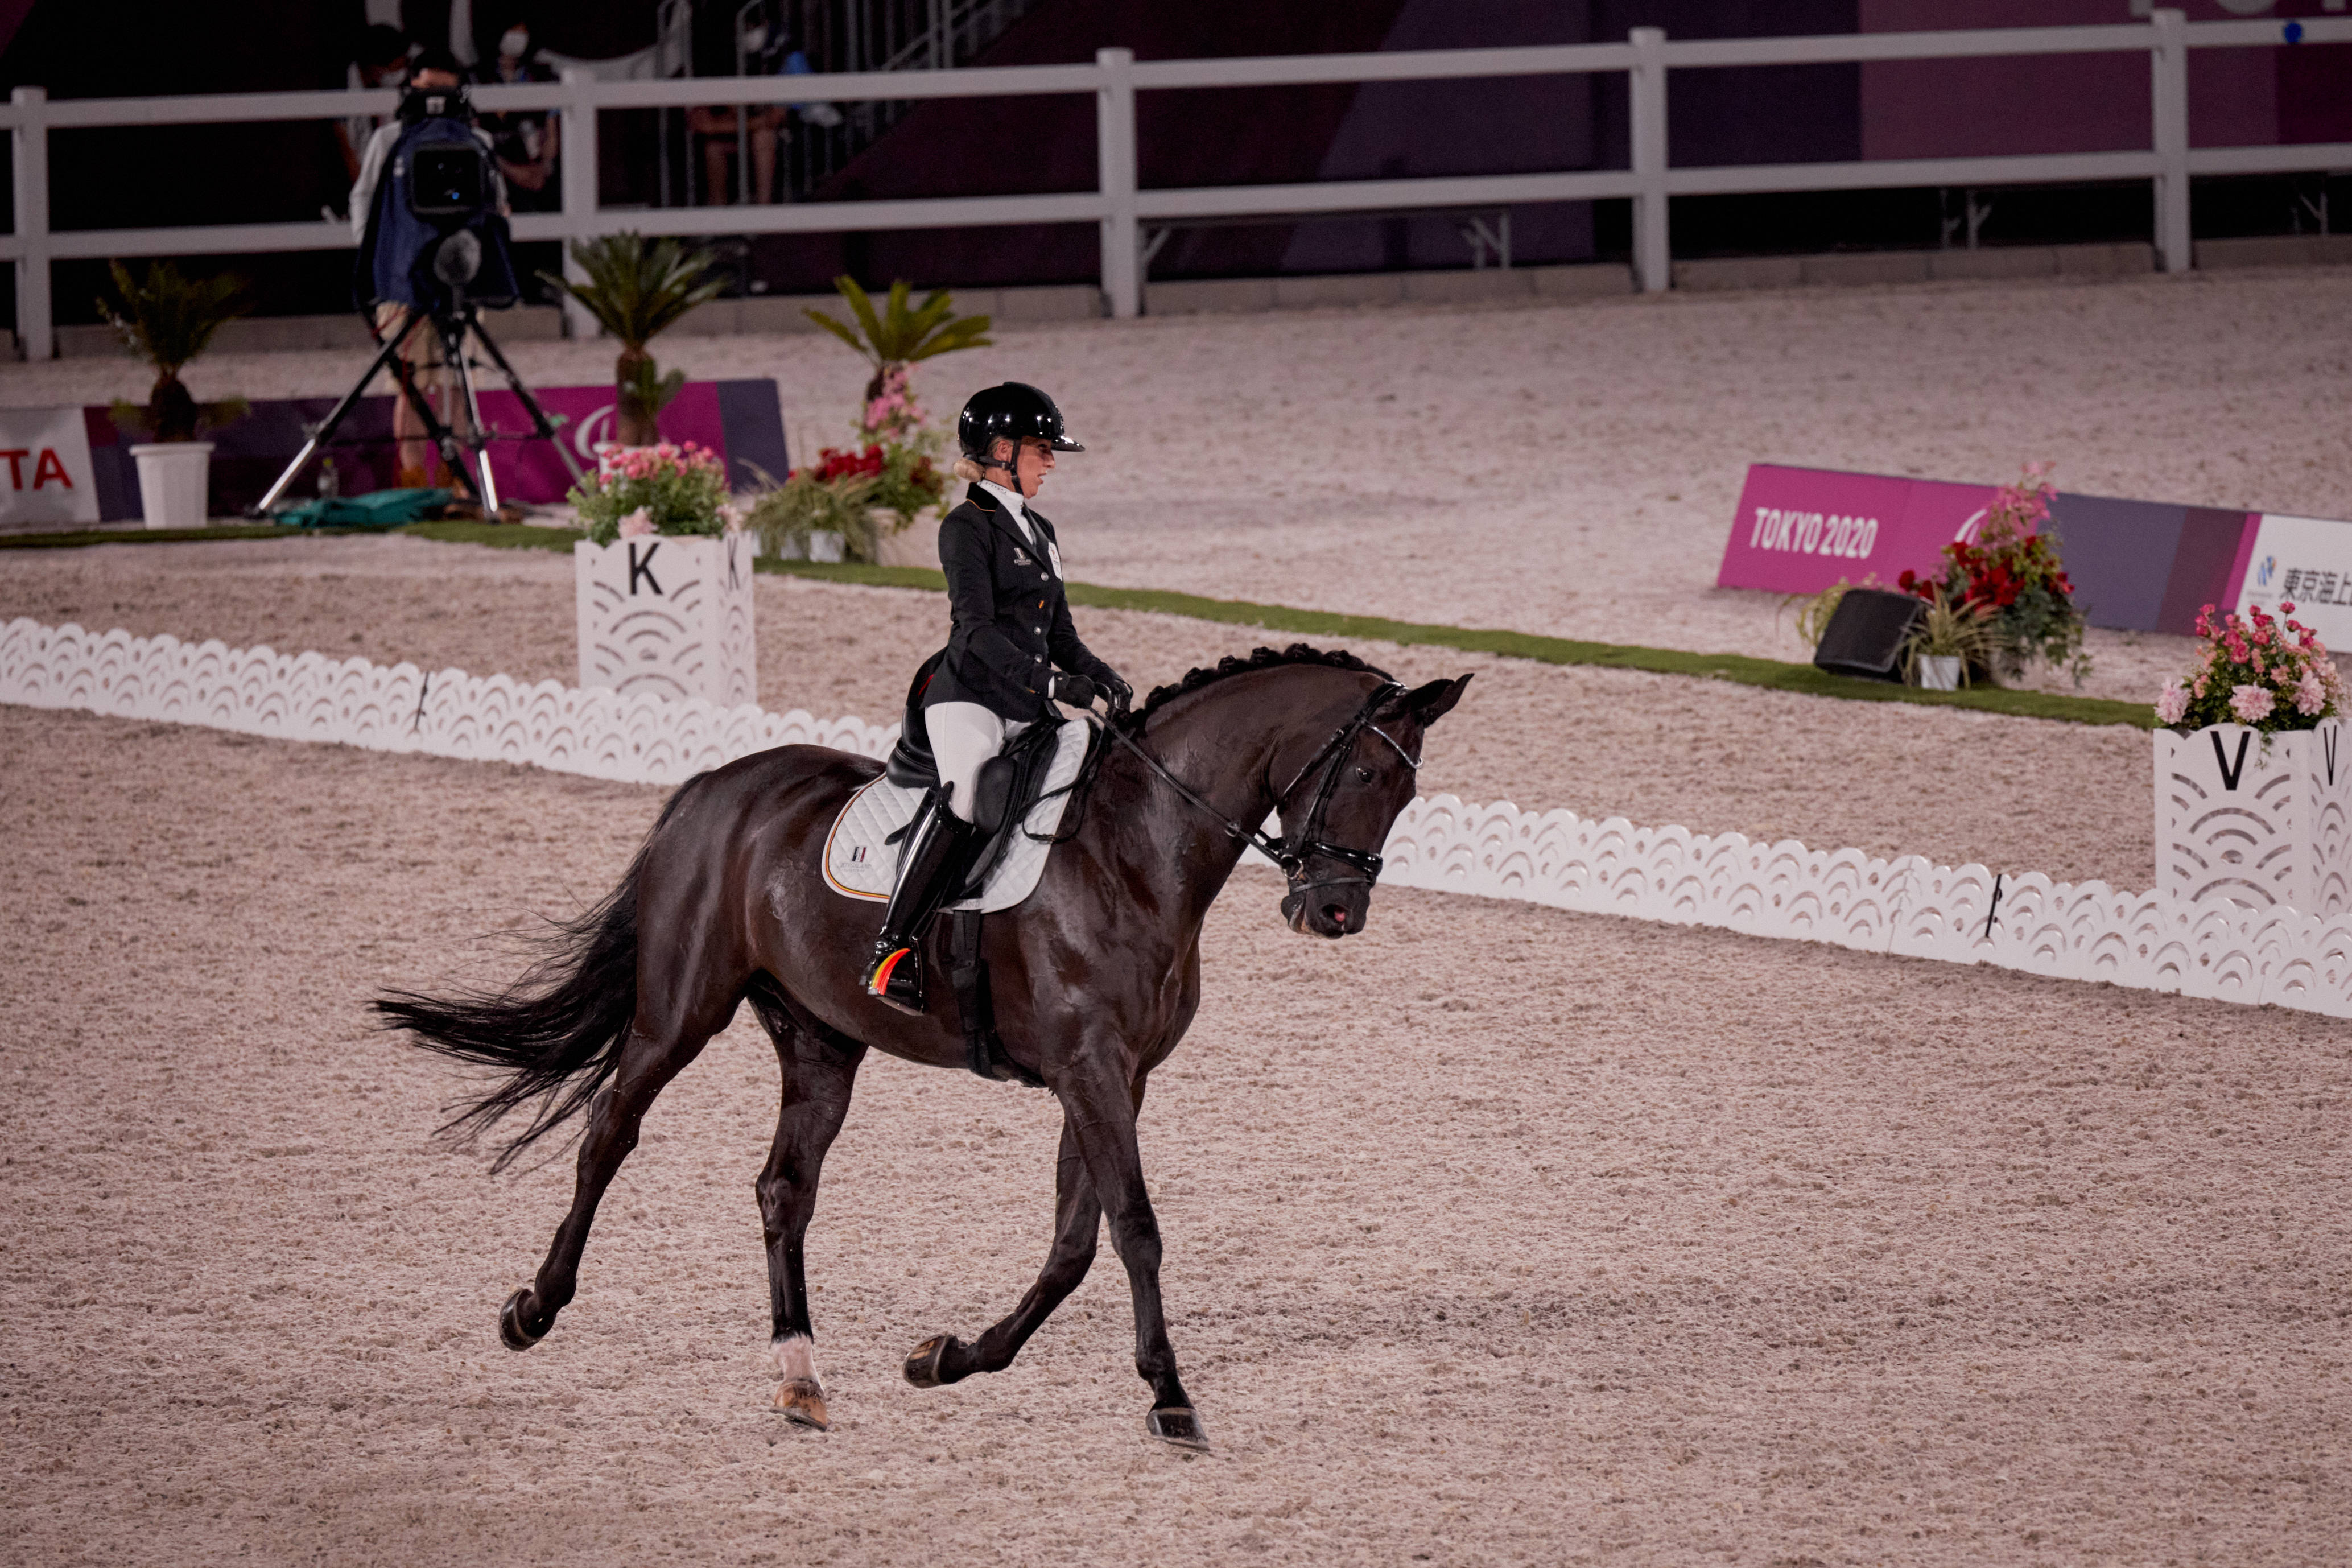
454,327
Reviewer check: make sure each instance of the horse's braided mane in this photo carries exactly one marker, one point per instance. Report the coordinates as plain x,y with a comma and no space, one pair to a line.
1262,659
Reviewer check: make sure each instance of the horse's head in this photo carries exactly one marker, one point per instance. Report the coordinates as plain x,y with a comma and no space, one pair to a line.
1338,811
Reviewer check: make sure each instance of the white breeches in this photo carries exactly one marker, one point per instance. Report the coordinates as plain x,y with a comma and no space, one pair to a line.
963,736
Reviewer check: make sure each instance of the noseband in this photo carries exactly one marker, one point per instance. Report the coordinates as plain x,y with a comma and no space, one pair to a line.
1293,852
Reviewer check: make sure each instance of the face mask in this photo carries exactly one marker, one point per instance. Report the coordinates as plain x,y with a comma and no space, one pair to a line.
755,39
516,41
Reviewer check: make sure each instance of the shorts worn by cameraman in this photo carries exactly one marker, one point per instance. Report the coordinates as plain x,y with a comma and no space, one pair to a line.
963,736
428,367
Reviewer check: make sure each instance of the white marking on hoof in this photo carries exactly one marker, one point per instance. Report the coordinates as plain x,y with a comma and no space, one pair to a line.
794,1358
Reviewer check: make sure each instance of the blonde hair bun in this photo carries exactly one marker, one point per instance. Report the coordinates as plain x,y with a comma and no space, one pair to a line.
967,470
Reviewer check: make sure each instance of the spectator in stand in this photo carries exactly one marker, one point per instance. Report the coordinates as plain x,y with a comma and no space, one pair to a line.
525,141
763,125
381,61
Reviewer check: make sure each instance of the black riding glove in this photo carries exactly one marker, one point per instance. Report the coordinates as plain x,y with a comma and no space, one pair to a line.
1075,690
1121,695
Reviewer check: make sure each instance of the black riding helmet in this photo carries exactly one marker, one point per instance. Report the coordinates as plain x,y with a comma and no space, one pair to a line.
1015,409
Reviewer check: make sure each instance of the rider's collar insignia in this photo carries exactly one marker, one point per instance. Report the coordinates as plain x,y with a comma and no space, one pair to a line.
1020,557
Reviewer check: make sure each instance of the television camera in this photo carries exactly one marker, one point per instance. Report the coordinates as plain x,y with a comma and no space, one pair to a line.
438,245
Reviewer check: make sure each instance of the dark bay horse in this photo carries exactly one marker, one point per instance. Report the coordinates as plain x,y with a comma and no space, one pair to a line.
1097,975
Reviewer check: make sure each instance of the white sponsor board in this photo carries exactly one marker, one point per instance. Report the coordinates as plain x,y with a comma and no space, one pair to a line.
2305,562
46,476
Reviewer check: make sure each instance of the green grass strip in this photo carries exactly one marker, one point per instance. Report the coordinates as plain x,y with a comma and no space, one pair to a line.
1771,675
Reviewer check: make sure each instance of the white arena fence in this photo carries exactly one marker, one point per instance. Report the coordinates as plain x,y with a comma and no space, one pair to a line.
1121,208
1968,914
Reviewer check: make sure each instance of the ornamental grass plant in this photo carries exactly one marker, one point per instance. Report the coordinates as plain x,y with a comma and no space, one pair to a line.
2255,670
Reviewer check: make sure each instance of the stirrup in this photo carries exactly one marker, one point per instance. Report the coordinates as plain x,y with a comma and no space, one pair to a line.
895,977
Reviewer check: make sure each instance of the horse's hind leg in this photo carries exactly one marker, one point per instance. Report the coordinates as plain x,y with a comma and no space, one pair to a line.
1077,1220
656,1050
818,1073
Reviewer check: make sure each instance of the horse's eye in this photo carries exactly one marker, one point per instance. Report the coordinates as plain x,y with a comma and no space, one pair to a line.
1365,775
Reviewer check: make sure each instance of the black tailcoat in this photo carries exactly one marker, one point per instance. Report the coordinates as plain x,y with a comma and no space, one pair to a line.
1012,626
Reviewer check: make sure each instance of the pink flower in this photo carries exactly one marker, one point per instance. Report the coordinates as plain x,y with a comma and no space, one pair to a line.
2310,695
637,524
2252,703
2172,703
732,515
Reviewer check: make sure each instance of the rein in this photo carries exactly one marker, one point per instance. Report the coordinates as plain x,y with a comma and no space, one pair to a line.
1307,844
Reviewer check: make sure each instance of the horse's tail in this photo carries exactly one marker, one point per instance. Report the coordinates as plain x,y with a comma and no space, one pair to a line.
555,1033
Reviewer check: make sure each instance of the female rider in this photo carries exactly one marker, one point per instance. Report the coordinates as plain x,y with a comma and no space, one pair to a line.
1011,654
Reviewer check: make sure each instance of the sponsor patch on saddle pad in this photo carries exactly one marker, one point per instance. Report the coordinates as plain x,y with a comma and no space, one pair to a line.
857,861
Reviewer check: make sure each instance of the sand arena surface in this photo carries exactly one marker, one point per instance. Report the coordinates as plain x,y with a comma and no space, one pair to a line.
1493,1234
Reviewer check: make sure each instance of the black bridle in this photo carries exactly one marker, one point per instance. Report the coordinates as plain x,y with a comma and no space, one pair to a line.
1292,854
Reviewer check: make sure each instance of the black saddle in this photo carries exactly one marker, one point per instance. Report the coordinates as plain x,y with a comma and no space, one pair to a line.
1009,783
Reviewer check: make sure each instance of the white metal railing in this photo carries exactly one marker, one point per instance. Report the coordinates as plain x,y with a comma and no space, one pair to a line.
1120,207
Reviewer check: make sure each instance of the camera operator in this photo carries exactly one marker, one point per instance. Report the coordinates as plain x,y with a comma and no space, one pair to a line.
434,78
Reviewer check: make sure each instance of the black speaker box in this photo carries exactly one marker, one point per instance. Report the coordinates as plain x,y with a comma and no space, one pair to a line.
1866,633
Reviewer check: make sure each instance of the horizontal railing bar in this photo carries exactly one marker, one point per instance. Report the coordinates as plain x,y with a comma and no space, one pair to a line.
1899,173
1837,48
825,217
210,239
1358,195
1229,201
2249,35
2289,160
1418,64
850,86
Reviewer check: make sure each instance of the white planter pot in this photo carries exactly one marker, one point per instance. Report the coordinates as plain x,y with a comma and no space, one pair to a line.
1939,672
824,544
2260,824
668,615
174,482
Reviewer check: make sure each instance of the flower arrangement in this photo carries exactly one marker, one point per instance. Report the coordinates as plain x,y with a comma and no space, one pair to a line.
2256,671
2011,580
1955,630
865,492
656,490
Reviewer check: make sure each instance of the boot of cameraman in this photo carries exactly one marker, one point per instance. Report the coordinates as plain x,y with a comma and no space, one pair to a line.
423,354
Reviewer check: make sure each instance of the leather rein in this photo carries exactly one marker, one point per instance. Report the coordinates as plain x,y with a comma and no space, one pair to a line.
1307,844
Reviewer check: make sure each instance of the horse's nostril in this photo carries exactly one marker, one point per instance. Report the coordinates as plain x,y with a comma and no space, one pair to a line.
1335,914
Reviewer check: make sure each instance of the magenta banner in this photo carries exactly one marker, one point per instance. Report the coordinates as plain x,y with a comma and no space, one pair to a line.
2136,565
1800,530
742,421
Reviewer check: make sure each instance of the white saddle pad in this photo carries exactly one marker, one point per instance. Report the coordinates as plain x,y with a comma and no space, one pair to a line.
859,864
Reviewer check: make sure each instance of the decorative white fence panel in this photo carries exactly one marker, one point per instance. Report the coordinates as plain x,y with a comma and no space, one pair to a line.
1906,905
1120,205
593,730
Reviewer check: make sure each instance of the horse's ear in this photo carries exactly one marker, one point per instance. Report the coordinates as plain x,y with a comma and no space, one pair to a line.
1432,702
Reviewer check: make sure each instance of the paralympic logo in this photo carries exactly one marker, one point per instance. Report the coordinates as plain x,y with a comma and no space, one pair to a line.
2264,572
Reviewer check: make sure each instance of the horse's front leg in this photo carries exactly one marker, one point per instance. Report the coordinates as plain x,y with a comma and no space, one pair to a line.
1077,1219
818,1078
1102,1108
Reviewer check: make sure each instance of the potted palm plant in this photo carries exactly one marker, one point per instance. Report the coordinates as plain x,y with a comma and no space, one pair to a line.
898,334
167,319
636,292
893,463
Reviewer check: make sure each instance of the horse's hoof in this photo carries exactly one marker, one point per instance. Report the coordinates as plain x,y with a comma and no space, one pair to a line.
924,1364
1178,1426
803,1403
511,1333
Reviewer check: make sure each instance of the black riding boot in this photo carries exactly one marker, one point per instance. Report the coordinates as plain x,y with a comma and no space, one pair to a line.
939,857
